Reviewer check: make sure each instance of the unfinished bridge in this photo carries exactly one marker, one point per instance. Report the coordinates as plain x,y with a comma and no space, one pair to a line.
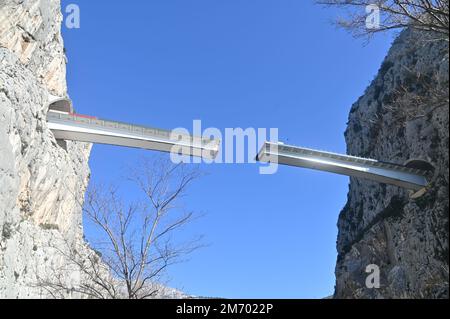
74,127
412,176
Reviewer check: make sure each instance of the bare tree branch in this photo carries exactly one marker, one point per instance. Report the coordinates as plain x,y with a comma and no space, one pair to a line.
426,15
134,245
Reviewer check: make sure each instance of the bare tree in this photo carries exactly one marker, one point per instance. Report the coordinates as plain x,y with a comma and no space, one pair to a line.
425,15
134,243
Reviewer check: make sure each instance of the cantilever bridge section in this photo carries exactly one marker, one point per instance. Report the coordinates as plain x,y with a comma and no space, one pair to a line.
382,172
82,128
74,127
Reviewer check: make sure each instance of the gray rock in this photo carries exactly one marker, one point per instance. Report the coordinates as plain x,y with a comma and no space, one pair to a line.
407,238
41,184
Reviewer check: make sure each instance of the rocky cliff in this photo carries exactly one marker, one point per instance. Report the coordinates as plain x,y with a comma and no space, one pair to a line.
41,184
402,116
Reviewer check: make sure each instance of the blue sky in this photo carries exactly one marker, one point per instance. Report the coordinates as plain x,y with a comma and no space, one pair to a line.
234,63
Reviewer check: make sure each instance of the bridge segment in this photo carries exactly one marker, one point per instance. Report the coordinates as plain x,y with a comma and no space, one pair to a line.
382,172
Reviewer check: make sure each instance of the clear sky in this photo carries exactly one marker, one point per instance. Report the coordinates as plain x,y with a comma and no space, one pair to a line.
233,63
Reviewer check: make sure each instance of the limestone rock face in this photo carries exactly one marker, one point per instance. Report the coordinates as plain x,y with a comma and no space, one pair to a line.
400,117
42,185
